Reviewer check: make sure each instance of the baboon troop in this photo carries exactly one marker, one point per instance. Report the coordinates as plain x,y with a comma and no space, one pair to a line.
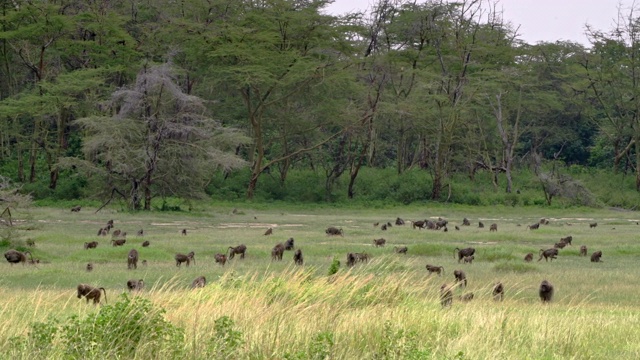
595,257
180,258
135,285
528,257
379,242
466,297
91,293
446,296
592,225
466,222
240,249
583,250
89,267
297,257
221,259
468,259
435,269
399,221
277,251
145,243
535,226
199,282
333,231
288,245
268,232
548,254
401,249
76,208
567,240
461,277
493,227
480,224
184,232
498,292
90,245
132,259
119,242
464,252
15,256
546,291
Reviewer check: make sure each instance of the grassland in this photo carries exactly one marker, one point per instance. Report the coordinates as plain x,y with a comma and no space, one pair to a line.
385,309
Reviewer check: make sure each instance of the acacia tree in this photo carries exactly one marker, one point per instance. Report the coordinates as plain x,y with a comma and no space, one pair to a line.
158,141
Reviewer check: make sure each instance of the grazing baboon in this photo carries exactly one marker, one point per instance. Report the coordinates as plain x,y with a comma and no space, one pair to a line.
116,233
91,293
595,257
435,269
546,291
91,245
592,225
441,224
288,245
469,259
89,267
463,252
466,222
548,254
76,208
184,232
498,292
583,250
15,256
118,242
268,232
132,259
362,257
399,221
240,249
110,224
567,239
379,242
145,243
199,282
461,277
351,259
466,297
180,258
430,225
220,259
144,262
559,245
297,257
375,224
420,224
277,251
383,227
543,221
446,296
480,224
135,285
31,243
103,232
528,257
535,226
457,227
493,227
401,249
140,232
333,231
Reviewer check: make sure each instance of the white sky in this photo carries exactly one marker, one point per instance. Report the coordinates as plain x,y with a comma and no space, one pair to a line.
540,20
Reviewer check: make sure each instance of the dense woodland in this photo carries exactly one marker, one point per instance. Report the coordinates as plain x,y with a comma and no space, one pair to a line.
142,99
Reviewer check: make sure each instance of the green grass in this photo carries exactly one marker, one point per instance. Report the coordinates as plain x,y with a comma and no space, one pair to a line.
386,308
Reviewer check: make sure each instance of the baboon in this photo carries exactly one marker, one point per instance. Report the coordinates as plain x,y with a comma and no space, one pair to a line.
535,226
463,252
399,221
430,225
543,221
457,227
592,225
469,259
277,251
461,277
145,243
567,239
116,233
466,297
446,296
268,232
140,232
333,231
548,254
435,269
240,249
362,257
595,257
110,224
493,227
420,224
560,245
184,232
118,242
498,292
91,293
351,259
132,259
91,245
102,232
375,224
401,249
583,250
389,224
465,222
288,245
89,267
445,229
135,285
441,224
546,291
180,258
379,242
15,256
31,243
144,262
297,257
480,224
76,208
199,282
220,259
528,257
383,227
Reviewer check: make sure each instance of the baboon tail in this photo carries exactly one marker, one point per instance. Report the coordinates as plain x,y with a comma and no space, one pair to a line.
105,294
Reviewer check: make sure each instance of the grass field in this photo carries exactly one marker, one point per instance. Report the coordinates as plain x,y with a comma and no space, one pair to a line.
387,308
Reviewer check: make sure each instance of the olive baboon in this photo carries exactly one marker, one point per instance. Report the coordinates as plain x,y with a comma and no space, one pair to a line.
199,282
548,254
91,293
277,251
583,250
543,221
116,233
297,257
76,208
145,243
351,259
362,257
567,239
180,258
457,227
268,232
110,224
240,249
220,259
493,227
498,292
441,224
135,285
375,224
379,242
401,249
15,256
132,259
435,269
184,232
119,242
399,221
480,224
595,257
592,225
446,296
546,291
89,267
468,259
103,232
333,231
461,277
420,224
91,245
535,226
288,245
560,245
463,252
528,257
466,222
140,232
383,227
466,297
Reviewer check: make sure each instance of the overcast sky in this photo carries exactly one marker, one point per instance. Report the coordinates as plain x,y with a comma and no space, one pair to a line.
540,20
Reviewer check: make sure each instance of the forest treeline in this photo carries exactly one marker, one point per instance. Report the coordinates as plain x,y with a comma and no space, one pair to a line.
142,99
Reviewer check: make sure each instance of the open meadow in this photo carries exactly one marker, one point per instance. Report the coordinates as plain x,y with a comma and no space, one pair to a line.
386,308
